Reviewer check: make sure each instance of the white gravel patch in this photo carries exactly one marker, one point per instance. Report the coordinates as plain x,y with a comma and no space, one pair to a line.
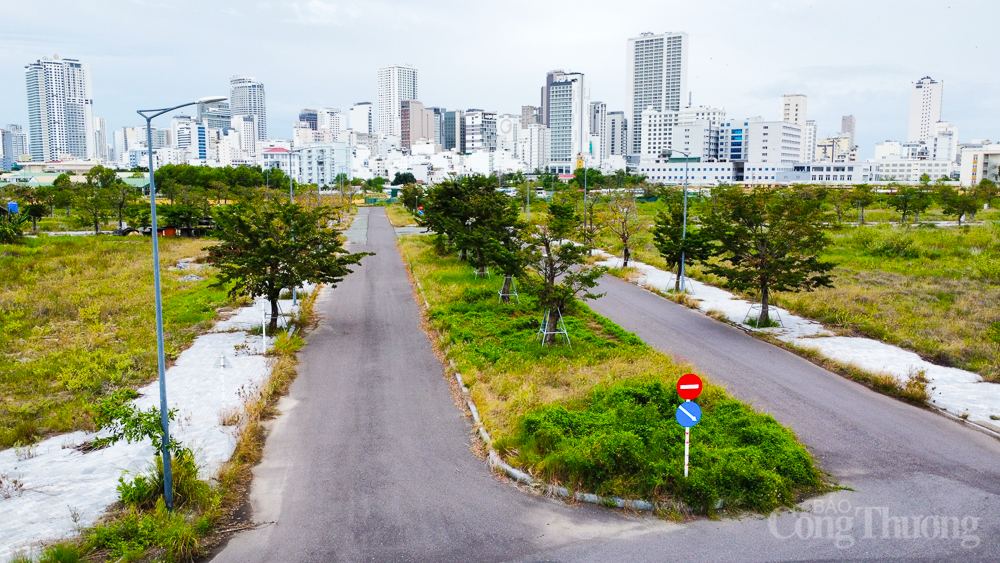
957,391
65,489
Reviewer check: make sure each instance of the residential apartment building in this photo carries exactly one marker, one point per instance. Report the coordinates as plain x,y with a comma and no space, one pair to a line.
396,84
692,130
569,123
599,131
215,115
543,110
361,118
101,139
980,162
246,97
925,108
320,164
657,78
480,130
529,116
617,133
60,109
453,131
416,122
508,132
794,108
534,145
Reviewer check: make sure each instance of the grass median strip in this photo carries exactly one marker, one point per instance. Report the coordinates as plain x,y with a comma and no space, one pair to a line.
599,416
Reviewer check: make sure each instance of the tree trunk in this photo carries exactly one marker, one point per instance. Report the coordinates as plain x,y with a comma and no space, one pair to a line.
34,223
625,256
120,221
97,227
552,326
508,281
677,279
273,325
764,317
463,255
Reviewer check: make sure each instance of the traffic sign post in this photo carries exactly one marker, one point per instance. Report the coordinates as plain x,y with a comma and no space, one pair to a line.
689,386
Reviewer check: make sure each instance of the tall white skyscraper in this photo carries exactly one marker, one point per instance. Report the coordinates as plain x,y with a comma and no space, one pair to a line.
809,136
793,109
331,118
617,133
100,139
361,118
657,78
60,109
569,121
925,108
246,97
395,84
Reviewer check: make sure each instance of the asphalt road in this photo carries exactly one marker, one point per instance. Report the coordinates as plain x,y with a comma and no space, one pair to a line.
371,460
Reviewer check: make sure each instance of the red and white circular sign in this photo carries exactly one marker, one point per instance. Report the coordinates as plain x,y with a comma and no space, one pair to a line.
689,386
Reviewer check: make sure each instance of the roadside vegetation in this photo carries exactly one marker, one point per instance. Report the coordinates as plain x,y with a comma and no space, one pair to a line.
599,415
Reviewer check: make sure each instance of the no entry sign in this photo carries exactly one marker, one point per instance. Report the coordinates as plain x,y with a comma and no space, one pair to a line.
689,386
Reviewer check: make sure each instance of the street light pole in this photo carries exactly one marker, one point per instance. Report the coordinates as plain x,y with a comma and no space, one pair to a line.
168,493
687,157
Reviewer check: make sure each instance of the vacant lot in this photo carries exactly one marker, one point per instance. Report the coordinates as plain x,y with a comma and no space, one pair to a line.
399,215
599,415
78,321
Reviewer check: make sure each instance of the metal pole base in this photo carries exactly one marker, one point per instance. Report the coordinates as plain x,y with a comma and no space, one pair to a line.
560,327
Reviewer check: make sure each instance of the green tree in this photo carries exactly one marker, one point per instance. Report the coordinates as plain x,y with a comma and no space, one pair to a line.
958,204
268,246
909,200
410,196
620,218
122,194
63,196
769,239
11,227
862,196
94,198
560,274
669,239
404,178
987,191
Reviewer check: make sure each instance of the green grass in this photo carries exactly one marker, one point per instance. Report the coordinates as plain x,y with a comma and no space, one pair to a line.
78,321
599,416
400,216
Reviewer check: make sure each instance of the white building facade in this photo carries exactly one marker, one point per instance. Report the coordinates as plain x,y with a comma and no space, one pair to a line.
396,83
569,123
361,117
246,97
925,108
657,78
60,109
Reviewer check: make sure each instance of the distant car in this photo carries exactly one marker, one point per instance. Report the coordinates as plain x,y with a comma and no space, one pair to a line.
123,231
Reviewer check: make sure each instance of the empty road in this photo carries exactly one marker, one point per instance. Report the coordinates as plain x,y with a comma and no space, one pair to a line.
370,459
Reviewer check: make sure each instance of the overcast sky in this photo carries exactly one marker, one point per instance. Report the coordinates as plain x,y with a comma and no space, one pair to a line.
849,57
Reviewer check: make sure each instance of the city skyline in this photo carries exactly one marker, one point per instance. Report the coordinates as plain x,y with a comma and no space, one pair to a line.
873,84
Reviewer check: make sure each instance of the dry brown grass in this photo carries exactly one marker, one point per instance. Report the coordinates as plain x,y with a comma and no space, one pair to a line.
399,216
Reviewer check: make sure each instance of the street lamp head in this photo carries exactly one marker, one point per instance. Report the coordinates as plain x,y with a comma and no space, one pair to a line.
211,99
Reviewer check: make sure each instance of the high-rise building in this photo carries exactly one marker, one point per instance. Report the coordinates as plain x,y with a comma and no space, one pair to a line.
246,97
100,139
657,78
453,131
215,115
847,127
18,140
480,130
569,109
309,116
692,130
60,109
925,108
617,133
181,126
529,116
543,111
396,83
508,132
416,123
330,118
793,109
361,118
438,117
533,145
810,135
246,133
599,129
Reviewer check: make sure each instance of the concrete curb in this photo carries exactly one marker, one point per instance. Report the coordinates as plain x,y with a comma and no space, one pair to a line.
520,476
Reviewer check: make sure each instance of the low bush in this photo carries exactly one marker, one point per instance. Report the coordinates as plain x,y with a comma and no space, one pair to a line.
886,241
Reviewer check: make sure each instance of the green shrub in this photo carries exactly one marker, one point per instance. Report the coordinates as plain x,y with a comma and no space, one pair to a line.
61,553
624,440
988,267
886,241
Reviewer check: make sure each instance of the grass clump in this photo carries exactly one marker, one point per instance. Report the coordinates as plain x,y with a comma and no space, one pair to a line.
400,216
77,322
599,415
